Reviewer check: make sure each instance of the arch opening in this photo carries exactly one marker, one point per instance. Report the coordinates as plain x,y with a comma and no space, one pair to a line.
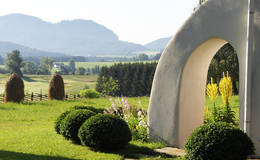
192,87
225,60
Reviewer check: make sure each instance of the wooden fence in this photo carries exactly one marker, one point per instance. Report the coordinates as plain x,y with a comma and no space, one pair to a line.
43,97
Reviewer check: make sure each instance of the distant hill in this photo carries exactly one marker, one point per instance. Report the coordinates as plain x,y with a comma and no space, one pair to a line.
76,37
7,47
158,44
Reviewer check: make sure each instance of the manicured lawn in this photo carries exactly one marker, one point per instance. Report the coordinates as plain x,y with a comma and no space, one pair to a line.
27,133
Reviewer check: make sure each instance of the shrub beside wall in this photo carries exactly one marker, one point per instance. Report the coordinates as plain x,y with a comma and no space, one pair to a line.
217,141
14,89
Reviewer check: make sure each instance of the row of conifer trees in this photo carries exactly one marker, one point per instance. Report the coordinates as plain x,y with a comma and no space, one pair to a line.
135,79
14,88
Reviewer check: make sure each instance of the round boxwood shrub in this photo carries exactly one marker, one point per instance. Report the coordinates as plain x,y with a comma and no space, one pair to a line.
72,122
217,141
59,121
96,110
105,132
89,93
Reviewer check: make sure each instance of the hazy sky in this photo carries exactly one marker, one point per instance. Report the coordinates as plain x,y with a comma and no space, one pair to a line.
138,21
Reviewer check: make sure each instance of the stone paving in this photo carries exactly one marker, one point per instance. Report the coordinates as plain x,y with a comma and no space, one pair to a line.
172,151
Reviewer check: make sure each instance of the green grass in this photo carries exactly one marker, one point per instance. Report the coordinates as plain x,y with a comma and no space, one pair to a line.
27,133
35,83
219,103
93,64
27,129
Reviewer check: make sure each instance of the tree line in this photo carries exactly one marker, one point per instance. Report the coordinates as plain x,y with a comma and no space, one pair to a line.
134,79
14,63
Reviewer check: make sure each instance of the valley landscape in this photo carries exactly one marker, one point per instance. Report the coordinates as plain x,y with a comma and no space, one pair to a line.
72,89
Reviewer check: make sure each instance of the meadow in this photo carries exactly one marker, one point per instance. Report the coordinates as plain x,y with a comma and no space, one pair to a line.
91,65
40,83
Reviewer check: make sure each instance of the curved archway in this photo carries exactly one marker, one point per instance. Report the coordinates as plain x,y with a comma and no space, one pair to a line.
192,87
173,90
178,91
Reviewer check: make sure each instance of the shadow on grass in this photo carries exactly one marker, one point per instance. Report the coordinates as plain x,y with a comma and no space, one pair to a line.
9,155
136,152
28,79
7,108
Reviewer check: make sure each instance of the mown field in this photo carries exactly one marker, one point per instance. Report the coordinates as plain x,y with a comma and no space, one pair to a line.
100,64
36,83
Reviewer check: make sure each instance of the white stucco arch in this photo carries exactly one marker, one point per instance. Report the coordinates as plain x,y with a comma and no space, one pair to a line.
177,96
192,87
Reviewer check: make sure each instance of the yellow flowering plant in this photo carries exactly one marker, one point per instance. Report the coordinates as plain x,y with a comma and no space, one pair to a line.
220,114
212,91
225,88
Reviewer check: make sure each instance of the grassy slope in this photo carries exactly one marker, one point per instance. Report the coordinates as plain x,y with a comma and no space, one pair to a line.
34,83
27,133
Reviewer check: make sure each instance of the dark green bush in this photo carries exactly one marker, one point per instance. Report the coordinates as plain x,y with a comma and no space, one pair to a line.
104,132
93,109
218,141
59,121
72,122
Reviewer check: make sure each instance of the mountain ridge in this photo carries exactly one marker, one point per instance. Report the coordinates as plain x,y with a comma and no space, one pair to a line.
158,44
75,37
7,47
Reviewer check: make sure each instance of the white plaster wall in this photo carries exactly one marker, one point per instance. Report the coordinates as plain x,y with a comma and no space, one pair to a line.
175,109
254,130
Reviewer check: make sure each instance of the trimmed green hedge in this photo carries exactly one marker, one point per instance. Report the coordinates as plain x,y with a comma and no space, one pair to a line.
72,122
218,141
105,132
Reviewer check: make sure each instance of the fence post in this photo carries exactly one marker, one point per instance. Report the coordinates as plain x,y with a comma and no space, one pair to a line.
3,98
66,97
41,95
74,96
32,97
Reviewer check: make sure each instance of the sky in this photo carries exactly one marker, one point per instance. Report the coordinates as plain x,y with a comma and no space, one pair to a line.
138,21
